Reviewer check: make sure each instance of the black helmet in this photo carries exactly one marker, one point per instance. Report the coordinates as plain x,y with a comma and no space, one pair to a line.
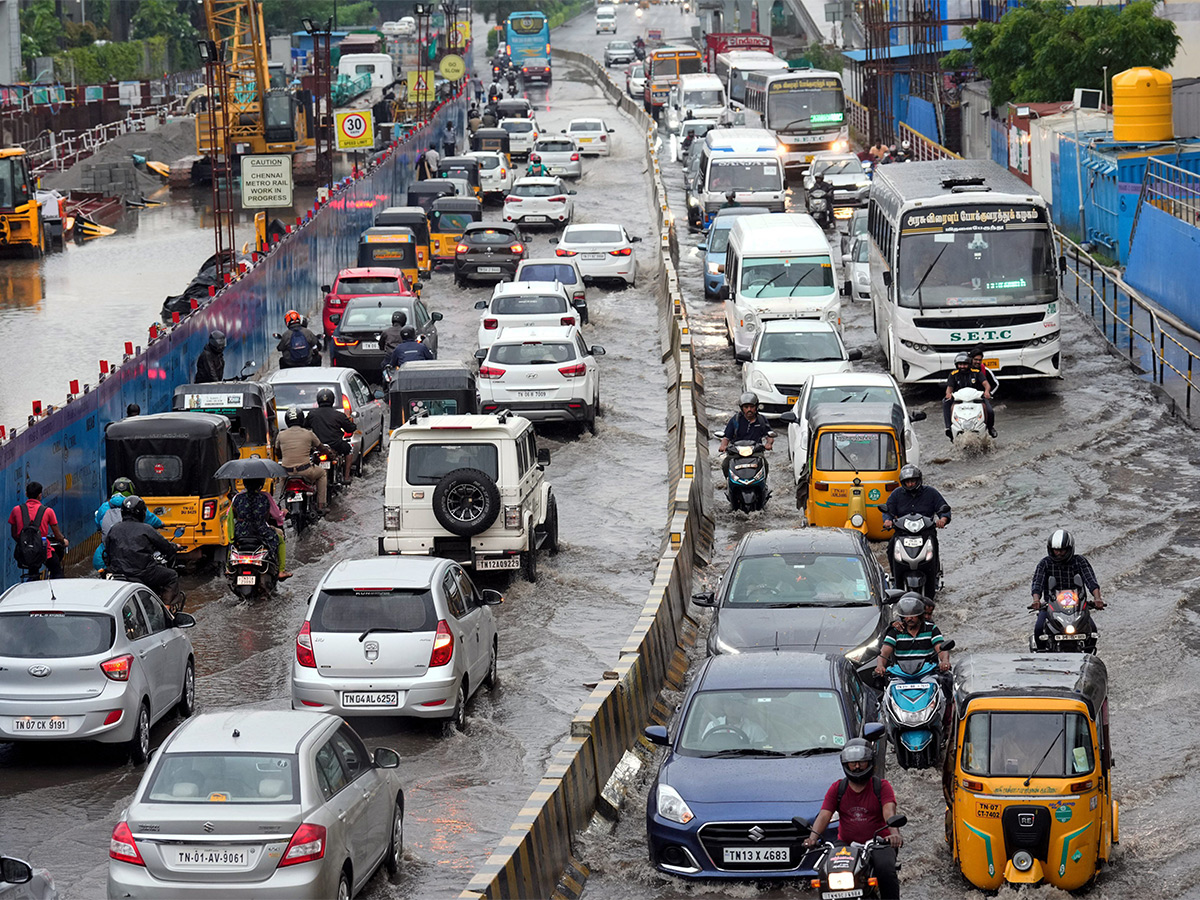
217,339
324,397
1061,540
748,399
408,333
293,417
122,486
911,473
962,359
134,507
399,317
133,410
911,605
858,750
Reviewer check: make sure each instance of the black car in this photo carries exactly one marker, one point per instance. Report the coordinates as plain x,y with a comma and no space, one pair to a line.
536,68
355,342
488,252
814,589
514,108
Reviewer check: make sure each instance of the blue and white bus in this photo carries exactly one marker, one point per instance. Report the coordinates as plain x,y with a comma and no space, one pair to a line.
527,35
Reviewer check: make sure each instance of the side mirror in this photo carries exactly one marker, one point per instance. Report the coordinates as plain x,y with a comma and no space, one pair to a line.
184,620
491,597
947,646
378,395
893,594
597,350
703,248
562,131
742,356
612,131
543,457
790,417
1062,265
417,289
326,289
481,304
916,415
854,355
844,290
845,257
554,240
635,240
481,354
898,821
887,279
14,871
705,598
657,734
437,316
386,758
572,193
873,731
276,334
723,293
335,318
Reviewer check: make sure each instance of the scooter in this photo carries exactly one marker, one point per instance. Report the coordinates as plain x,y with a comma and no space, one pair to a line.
914,710
847,870
820,206
251,569
914,558
1069,624
747,476
966,416
301,496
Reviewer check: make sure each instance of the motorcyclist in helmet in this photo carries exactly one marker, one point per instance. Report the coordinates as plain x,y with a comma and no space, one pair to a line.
913,636
536,167
745,425
254,514
294,447
1061,563
130,549
108,514
863,804
210,366
408,349
914,496
391,336
331,426
298,346
962,377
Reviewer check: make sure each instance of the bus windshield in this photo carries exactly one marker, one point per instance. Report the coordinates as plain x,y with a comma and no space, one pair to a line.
1009,267
805,109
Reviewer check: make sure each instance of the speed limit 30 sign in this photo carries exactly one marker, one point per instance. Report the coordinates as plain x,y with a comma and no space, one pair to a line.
354,130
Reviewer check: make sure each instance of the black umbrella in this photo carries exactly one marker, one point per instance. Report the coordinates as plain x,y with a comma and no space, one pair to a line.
254,467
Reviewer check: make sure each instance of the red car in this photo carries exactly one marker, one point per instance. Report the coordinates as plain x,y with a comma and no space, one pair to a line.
360,282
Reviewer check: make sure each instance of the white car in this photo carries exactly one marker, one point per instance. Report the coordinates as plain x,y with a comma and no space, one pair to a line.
635,80
846,387
562,269
524,304
603,251
536,200
591,135
522,135
543,374
857,265
496,176
786,353
845,173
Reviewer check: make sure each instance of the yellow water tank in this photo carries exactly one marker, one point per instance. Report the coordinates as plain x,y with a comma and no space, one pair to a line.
1142,105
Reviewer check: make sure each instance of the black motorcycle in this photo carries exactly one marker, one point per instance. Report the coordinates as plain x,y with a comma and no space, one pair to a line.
820,205
747,476
314,355
170,560
847,870
251,568
1069,624
301,496
913,555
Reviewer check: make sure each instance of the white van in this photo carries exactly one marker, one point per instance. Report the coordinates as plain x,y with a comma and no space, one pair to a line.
777,267
606,20
696,96
380,66
744,162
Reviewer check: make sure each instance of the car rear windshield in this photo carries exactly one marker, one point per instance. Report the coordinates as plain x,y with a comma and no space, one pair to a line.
302,394
799,346
225,778
358,609
453,221
430,463
521,125
800,722
490,236
593,236
487,163
529,305
536,190
367,285
51,634
847,451
554,146
586,126
563,274
371,317
798,579
533,353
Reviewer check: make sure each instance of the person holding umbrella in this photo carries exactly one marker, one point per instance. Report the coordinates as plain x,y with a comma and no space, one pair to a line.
254,514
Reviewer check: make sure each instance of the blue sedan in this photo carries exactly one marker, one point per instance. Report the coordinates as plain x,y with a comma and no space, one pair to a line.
757,743
716,243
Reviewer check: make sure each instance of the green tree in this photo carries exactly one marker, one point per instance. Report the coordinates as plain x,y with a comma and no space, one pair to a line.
40,30
1044,49
163,19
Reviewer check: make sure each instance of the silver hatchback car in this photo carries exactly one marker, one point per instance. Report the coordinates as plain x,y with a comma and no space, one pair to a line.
560,155
271,804
89,659
395,636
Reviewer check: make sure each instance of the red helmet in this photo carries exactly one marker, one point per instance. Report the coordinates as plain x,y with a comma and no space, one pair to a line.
291,317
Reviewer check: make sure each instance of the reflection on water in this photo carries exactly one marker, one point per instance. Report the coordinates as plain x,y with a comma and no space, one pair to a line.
21,283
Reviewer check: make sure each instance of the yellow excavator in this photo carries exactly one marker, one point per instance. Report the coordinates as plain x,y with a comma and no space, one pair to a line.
21,228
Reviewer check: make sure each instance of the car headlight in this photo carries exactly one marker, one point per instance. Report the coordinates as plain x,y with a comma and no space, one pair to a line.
841,881
862,184
863,279
759,382
692,201
750,321
673,807
713,268
920,348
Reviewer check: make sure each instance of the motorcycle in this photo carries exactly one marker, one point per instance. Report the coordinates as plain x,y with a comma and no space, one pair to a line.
314,355
1069,624
966,416
847,870
160,559
820,206
747,476
914,558
251,569
914,710
639,51
301,496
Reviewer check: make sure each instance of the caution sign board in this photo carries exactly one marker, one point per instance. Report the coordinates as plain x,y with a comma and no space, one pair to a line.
420,87
453,67
460,34
266,180
354,129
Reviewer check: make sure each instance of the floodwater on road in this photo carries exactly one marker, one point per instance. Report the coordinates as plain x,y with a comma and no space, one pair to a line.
58,803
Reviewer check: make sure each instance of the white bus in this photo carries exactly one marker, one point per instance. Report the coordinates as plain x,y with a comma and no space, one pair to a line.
963,255
733,66
805,108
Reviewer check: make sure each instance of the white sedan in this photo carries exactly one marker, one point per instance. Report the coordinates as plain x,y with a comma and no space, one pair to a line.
847,387
857,267
591,135
539,200
602,251
788,352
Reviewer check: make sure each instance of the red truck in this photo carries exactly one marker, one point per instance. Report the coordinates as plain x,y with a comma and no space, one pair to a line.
721,43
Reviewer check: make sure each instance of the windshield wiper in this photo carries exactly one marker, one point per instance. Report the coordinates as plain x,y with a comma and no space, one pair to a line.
920,301
815,751
744,751
799,121
839,452
384,630
1061,732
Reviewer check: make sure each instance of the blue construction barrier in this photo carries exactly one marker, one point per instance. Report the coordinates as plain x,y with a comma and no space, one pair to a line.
65,449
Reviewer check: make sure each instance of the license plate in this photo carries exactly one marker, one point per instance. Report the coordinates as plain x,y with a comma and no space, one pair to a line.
489,270
41,724
533,395
992,363
914,542
370,345
585,140
757,854
1070,637
808,158
591,256
536,218
246,579
791,401
325,465
838,895
487,563
217,857
557,170
370,698
295,498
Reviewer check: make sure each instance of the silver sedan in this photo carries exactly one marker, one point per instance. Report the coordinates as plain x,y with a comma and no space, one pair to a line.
278,805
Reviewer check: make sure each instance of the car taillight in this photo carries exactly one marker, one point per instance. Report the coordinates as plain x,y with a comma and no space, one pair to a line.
603,138
344,342
625,252
461,248
575,371
504,173
567,320
561,252
579,295
118,668
209,509
443,646
307,844
122,847
512,199
346,407
558,199
491,324
517,248
574,157
490,372
304,651
525,68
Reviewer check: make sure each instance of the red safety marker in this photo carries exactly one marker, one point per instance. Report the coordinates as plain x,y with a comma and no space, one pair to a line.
175,317
75,386
129,348
37,407
195,303
153,335
104,364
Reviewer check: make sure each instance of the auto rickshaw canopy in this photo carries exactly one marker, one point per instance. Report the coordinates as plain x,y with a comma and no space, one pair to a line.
423,193
496,140
171,454
389,247
432,387
1071,676
248,405
846,417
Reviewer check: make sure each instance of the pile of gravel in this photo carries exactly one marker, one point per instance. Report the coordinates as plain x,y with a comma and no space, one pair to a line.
166,143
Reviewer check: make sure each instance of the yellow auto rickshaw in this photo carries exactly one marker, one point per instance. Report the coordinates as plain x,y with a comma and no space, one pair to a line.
423,193
852,464
172,458
414,219
448,220
391,248
464,167
496,140
1028,769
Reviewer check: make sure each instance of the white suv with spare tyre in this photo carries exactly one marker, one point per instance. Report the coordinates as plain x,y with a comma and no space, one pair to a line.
470,489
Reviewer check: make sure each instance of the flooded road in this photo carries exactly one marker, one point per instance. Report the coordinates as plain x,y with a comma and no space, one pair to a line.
58,804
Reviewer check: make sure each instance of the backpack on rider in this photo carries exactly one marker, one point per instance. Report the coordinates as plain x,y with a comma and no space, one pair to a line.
30,552
298,346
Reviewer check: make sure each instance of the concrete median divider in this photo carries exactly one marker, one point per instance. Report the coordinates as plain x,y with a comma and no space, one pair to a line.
535,858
